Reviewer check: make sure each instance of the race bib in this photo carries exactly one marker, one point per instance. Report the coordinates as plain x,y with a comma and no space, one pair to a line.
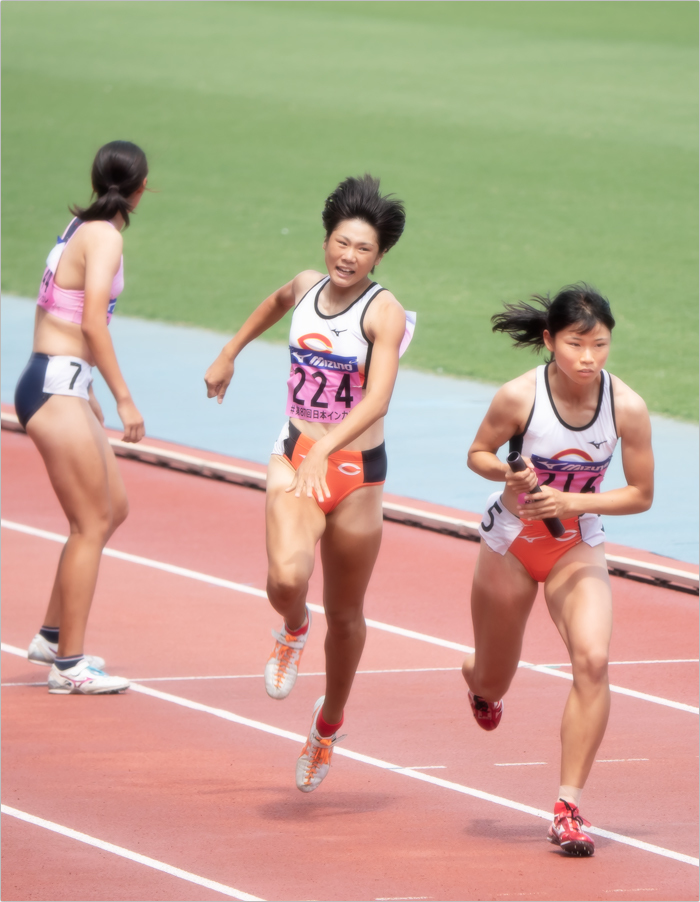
68,376
323,387
571,475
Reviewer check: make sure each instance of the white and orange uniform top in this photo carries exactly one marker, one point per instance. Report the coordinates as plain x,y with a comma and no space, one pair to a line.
66,303
569,458
330,356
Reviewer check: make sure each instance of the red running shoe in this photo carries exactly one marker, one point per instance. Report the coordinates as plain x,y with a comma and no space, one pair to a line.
487,714
566,830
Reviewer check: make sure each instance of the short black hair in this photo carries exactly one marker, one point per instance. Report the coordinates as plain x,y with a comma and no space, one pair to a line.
359,198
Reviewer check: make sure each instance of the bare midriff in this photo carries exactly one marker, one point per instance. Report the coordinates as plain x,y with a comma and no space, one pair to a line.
57,337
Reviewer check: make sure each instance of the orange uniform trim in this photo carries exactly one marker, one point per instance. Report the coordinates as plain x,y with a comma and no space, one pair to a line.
347,470
538,551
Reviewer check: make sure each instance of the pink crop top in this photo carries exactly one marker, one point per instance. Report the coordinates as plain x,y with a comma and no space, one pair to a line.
67,303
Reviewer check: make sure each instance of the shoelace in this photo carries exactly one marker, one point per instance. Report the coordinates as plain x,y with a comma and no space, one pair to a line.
283,660
485,707
319,756
321,749
284,653
572,814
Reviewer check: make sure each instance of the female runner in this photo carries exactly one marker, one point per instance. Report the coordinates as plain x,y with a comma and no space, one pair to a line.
566,418
324,481
55,403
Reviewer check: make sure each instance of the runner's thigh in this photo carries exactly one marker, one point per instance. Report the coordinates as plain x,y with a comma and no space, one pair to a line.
293,525
71,441
502,597
579,599
350,546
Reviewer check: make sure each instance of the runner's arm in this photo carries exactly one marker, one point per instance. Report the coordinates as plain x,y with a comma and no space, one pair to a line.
273,308
505,418
103,249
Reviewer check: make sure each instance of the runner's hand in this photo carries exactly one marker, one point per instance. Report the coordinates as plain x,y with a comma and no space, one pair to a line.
523,481
548,502
218,377
134,429
310,477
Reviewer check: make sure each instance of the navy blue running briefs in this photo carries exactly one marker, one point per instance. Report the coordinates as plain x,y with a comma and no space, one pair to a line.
30,394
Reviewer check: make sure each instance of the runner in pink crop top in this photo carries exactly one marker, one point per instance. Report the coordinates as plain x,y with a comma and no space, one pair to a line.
68,303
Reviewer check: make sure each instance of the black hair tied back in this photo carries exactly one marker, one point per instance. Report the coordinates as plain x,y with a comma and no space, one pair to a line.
118,171
578,306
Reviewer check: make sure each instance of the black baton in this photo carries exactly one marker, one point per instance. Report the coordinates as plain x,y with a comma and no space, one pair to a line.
553,524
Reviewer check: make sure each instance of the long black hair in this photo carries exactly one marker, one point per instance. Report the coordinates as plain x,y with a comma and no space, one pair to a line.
359,198
575,305
118,170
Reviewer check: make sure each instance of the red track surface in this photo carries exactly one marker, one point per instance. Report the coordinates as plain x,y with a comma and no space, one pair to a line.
216,798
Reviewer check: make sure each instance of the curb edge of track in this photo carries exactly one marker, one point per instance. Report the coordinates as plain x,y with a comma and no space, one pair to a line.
252,477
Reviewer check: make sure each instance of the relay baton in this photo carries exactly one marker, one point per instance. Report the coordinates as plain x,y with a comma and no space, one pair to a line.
553,524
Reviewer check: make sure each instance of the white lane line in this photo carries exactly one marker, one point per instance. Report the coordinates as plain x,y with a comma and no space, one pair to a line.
621,690
318,609
384,765
21,653
136,559
132,856
611,663
5,685
407,772
522,764
320,673
617,760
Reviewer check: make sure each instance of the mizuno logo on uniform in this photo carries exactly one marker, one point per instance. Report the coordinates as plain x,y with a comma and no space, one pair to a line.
337,332
598,444
567,537
323,361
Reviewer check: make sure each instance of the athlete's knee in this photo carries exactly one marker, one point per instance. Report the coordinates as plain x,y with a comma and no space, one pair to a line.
94,526
590,664
285,583
346,624
120,511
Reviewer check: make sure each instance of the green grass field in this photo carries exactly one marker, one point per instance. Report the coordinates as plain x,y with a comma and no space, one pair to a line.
535,144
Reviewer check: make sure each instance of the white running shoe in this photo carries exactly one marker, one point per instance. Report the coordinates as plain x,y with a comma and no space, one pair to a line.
84,679
41,651
315,760
283,664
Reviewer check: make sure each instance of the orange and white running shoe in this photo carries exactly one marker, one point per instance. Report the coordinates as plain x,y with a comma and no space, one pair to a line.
315,760
566,830
487,714
283,664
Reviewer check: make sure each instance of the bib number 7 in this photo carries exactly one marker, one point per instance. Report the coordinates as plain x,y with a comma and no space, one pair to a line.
76,374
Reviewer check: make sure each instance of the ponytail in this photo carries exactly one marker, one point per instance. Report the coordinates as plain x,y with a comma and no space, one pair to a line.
524,323
117,173
575,305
